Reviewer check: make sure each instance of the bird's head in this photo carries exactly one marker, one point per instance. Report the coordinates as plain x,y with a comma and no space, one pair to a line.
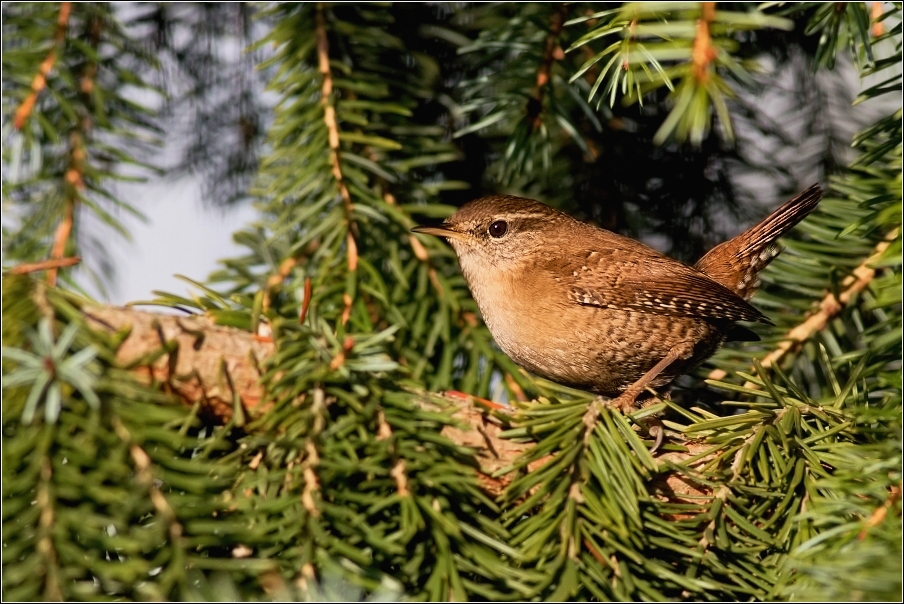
498,232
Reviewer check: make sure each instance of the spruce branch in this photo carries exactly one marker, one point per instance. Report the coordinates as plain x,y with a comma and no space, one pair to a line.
878,516
145,477
551,52
74,176
703,53
828,308
251,448
187,353
687,43
831,305
40,79
43,265
329,119
45,546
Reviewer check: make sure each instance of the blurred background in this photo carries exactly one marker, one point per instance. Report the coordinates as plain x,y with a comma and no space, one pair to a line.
203,83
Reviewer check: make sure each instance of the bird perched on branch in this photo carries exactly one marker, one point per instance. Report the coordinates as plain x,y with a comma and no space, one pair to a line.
593,310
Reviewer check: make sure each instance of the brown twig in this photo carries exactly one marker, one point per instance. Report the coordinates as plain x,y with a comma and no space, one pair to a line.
881,512
145,477
312,460
276,279
398,473
39,82
45,529
78,154
878,28
34,267
829,308
551,51
60,237
332,126
311,482
703,50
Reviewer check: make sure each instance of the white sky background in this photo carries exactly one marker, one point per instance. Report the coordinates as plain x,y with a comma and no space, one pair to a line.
182,235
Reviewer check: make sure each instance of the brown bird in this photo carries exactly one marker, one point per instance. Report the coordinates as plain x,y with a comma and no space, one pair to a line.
593,310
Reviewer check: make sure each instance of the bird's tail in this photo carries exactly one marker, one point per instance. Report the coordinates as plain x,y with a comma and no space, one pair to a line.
736,262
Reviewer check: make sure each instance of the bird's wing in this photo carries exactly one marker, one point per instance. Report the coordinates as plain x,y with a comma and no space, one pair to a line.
652,283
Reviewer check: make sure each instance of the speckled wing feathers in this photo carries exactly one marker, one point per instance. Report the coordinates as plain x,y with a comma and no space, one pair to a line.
658,286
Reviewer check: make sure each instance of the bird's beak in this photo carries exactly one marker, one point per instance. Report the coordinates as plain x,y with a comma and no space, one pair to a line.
441,230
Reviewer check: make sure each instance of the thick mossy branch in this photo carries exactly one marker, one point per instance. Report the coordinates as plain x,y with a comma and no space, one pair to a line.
197,360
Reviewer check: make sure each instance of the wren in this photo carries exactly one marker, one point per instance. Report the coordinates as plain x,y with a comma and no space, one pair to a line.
593,310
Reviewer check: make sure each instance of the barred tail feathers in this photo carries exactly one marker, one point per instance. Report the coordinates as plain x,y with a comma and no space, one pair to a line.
736,263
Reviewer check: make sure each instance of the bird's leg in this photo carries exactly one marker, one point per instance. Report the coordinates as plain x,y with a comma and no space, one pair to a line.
625,401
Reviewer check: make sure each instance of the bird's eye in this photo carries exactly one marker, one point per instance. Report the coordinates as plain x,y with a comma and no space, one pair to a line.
498,229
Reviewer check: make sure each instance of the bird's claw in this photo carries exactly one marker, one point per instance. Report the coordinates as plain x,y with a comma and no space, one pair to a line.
657,431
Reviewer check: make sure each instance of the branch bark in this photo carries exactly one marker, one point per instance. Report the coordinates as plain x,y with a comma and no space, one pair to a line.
703,51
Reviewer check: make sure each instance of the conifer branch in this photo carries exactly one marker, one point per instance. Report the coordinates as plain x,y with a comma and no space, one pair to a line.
199,348
332,126
45,529
880,512
78,155
384,432
40,80
829,307
34,267
309,465
145,477
63,230
703,51
275,280
420,252
551,52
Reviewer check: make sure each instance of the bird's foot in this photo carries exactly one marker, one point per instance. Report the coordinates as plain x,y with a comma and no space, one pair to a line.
624,402
656,429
